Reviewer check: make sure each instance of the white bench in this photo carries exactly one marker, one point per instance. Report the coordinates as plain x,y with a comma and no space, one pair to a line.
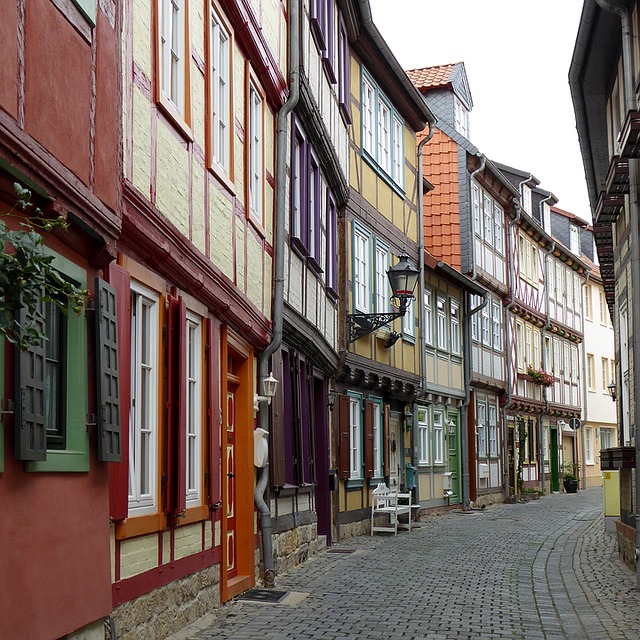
390,504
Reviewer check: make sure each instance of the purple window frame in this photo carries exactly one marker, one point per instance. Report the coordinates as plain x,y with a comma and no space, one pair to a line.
332,253
328,52
344,89
313,217
318,22
299,217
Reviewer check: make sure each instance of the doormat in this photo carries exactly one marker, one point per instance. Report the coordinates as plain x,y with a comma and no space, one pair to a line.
334,550
268,596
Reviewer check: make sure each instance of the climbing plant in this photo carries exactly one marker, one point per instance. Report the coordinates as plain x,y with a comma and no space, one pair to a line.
27,275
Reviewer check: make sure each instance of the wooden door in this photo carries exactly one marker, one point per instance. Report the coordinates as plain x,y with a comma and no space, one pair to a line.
395,451
231,538
453,443
555,467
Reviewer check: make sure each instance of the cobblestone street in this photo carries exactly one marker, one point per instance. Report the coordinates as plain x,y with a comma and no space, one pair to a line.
539,570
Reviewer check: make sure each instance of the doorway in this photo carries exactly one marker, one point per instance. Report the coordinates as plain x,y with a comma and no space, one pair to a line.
555,468
321,459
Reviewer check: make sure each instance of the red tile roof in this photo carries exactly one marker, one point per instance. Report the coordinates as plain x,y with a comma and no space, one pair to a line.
430,77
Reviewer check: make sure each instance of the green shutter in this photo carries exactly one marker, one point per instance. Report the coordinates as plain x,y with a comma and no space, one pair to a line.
30,428
107,382
88,10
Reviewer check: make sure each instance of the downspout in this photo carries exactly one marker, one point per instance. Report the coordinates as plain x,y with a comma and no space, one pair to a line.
613,7
421,341
464,423
507,348
278,282
543,335
585,412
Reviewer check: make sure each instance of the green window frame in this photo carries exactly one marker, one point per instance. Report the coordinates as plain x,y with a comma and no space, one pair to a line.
75,456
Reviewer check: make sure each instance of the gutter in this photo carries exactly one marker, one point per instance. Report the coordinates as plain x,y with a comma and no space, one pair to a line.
282,148
585,391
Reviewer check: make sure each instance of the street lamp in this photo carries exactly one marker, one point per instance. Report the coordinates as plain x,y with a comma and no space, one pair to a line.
403,278
269,386
612,390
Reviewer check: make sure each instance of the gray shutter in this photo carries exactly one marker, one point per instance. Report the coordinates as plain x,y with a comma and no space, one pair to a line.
107,386
30,427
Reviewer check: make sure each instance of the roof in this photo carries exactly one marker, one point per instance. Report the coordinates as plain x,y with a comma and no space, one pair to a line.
571,216
451,75
453,274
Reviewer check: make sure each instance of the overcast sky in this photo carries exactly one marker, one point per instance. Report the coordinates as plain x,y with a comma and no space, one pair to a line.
517,57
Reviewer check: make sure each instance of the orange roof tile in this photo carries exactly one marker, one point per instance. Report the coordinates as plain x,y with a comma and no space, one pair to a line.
429,77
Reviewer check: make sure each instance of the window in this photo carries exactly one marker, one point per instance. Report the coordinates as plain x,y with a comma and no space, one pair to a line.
461,117
498,225
606,438
475,301
569,289
361,269
559,281
557,365
496,325
409,322
423,437
332,247
477,218
382,281
528,260
493,430
588,445
298,183
454,311
574,363
143,423
603,308
488,222
546,217
344,89
481,428
537,362
442,323
220,70
438,437
588,310
255,132
382,132
428,317
605,374
377,439
173,60
51,378
322,30
486,331
520,345
591,381
528,344
526,198
574,239
194,354
355,439
313,208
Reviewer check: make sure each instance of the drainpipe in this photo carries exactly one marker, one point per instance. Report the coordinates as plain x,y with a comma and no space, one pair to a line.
468,345
543,335
585,412
464,423
622,12
507,332
421,340
282,148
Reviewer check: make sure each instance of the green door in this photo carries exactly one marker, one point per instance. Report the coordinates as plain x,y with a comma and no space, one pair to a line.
553,446
454,457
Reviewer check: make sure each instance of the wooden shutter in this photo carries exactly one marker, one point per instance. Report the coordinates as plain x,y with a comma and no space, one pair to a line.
30,427
311,427
175,494
386,437
276,444
298,436
368,438
344,429
213,412
120,280
107,382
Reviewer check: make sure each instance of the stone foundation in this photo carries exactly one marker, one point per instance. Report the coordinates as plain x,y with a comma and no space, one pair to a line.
93,631
487,499
356,528
294,546
626,543
168,609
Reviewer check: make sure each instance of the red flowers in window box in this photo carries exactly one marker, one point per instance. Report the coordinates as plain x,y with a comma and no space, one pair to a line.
540,377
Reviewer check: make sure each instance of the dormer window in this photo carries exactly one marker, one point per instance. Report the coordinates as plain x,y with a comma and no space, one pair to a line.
574,239
461,118
546,217
526,198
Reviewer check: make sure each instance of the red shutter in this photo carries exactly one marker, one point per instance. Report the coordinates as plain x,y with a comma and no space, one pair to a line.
213,412
175,501
344,428
276,437
387,441
120,280
368,439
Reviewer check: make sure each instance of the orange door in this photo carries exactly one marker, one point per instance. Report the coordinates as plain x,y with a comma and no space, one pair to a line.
232,564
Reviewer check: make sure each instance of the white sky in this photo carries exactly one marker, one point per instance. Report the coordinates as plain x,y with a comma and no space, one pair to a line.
516,55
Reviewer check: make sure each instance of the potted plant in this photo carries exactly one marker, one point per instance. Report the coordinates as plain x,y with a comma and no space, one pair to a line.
570,477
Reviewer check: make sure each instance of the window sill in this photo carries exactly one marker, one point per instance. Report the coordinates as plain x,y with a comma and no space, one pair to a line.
136,526
67,461
314,265
373,163
345,112
257,225
332,294
328,69
221,175
175,118
299,248
354,483
408,339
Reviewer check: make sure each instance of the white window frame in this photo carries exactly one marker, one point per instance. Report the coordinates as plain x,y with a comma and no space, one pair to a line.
588,445
384,136
520,346
574,240
256,161
355,438
193,435
496,312
368,115
477,217
461,117
398,152
173,52
498,226
382,294
428,317
493,430
481,427
454,317
423,436
361,284
591,379
408,321
487,207
377,439
221,113
438,437
486,324
588,302
143,440
441,313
